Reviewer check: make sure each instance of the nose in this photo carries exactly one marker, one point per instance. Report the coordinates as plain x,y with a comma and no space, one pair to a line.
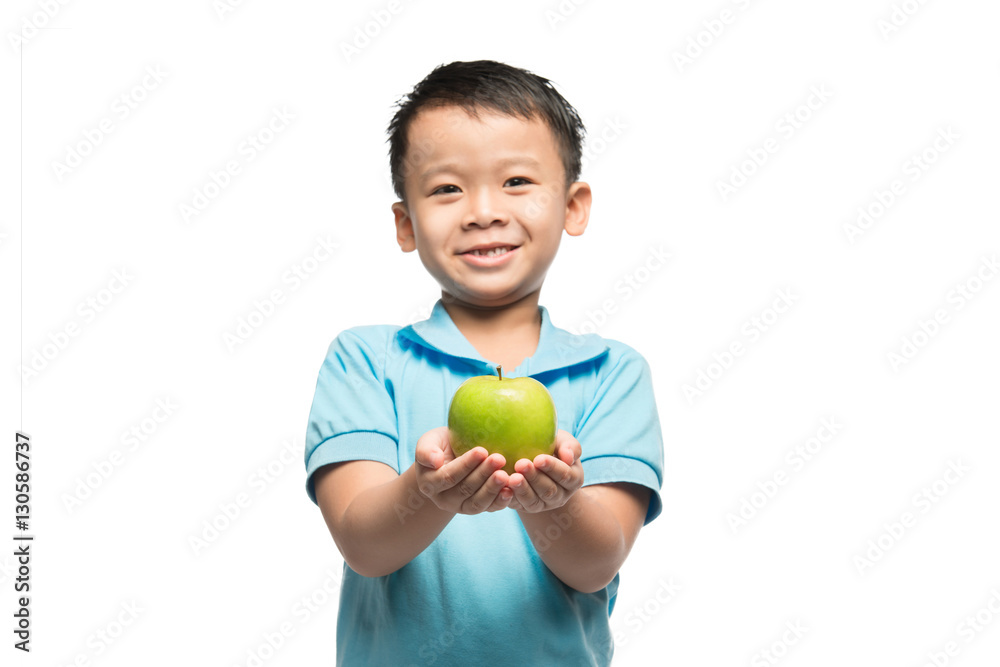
485,208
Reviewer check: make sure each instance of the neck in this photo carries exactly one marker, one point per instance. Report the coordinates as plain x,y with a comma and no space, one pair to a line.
521,317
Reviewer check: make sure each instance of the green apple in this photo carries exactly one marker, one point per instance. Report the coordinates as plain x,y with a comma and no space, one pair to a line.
515,417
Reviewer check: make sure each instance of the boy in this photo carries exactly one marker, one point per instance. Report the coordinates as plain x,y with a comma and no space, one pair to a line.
452,561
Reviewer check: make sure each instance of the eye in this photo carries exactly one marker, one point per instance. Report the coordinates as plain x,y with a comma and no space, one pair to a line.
444,187
519,178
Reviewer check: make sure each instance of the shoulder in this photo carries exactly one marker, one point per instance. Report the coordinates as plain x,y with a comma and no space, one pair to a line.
591,351
619,352
369,339
622,358
367,347
602,367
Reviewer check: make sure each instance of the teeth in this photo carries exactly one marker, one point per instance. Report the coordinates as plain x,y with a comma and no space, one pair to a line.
492,252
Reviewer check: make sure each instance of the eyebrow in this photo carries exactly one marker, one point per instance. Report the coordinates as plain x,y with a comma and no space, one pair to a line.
506,162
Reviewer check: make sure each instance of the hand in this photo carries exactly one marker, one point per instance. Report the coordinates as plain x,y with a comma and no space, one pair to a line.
469,484
548,482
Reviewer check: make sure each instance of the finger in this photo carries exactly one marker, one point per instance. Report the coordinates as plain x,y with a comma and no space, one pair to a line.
454,471
502,500
516,478
566,455
475,479
565,441
524,493
432,459
549,473
561,474
431,448
486,494
514,504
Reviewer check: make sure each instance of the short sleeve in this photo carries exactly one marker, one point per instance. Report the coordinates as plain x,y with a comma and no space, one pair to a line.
352,416
620,430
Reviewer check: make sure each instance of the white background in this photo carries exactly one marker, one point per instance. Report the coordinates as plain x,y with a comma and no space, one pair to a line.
672,132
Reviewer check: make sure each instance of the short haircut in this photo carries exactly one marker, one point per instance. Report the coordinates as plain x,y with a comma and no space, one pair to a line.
487,85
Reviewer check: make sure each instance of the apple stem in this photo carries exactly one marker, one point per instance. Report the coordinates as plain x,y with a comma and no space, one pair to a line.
500,371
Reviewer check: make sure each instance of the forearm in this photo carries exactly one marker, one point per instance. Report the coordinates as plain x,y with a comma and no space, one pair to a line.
387,526
581,542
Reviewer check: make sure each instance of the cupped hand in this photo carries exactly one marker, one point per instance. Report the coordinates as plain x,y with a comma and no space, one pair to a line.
548,482
468,484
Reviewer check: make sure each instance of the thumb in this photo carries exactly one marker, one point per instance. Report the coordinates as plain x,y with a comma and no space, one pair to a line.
430,448
569,451
567,455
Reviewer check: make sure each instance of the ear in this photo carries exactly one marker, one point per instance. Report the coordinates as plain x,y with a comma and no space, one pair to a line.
404,228
577,208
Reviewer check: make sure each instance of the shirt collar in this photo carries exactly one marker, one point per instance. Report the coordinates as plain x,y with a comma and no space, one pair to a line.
557,348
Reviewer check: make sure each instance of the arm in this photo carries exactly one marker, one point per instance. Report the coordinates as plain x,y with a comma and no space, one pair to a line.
582,534
361,502
594,532
381,521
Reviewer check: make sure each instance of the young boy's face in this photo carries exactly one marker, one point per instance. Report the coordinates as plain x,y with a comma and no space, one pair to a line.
493,181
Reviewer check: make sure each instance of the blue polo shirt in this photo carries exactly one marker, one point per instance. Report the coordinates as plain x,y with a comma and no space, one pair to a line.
479,594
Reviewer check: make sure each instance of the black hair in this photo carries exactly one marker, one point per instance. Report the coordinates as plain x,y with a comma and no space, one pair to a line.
487,85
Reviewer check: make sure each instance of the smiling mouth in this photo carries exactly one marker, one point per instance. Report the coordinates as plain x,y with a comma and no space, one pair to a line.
492,252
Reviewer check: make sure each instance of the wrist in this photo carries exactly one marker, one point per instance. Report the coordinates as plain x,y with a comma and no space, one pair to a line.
420,497
412,481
